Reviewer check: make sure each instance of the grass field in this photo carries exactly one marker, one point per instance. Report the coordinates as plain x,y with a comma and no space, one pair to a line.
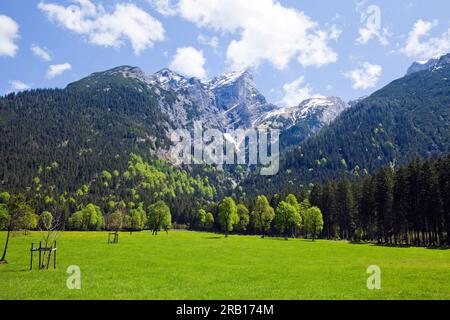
189,265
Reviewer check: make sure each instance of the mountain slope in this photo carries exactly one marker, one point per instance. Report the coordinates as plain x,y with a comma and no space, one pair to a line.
430,64
239,100
84,129
298,123
408,117
95,123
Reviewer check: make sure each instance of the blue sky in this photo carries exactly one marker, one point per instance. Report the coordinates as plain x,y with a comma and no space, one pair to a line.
296,49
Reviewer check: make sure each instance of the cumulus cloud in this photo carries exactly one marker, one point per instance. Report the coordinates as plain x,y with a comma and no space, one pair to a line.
41,52
366,76
126,22
9,33
164,7
296,92
189,62
213,41
17,85
266,30
418,47
57,69
371,25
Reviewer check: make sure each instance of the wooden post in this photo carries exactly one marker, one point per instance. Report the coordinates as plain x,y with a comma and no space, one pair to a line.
49,257
40,247
31,257
54,257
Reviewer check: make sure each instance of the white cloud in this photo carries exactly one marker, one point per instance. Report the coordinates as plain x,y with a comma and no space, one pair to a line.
372,27
296,92
9,32
267,31
417,47
189,62
40,52
57,69
126,22
17,85
213,41
365,77
164,7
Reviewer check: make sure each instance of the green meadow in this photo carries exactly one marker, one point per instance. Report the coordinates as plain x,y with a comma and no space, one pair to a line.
195,265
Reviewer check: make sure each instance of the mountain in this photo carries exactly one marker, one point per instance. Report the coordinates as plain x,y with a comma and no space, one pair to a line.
95,123
238,99
298,123
86,128
430,64
408,117
229,101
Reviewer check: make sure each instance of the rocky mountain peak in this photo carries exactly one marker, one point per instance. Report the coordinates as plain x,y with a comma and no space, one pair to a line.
435,62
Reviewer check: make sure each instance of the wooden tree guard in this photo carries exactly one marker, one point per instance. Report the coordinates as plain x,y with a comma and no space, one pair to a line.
53,249
115,238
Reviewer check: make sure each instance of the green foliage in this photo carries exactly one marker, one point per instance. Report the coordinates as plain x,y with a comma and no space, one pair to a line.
408,117
313,222
88,218
244,217
228,215
80,130
408,205
287,217
159,217
209,220
200,220
46,220
262,215
21,214
137,219
4,197
4,216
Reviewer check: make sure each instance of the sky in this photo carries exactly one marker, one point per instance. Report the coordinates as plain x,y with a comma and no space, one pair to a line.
296,49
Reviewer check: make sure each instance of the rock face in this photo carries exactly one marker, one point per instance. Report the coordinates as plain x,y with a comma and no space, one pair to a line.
238,99
229,101
298,123
316,112
436,62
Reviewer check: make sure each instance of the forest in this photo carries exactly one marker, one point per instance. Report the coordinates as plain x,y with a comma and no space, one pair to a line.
408,205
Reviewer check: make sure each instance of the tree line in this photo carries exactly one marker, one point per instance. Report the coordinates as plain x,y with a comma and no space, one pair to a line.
289,218
408,205
17,214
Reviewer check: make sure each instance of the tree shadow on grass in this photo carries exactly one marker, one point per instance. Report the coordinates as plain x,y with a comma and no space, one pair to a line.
16,270
274,239
400,246
213,238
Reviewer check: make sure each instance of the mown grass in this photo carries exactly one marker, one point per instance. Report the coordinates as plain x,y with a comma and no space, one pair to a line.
192,265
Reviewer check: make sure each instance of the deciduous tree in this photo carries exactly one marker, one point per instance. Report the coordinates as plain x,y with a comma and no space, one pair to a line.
228,216
262,215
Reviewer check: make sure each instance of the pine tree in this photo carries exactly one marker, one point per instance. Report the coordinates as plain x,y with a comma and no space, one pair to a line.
345,209
384,185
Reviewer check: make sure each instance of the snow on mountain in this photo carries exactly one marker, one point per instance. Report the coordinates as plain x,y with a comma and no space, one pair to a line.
227,79
317,112
228,101
435,62
238,98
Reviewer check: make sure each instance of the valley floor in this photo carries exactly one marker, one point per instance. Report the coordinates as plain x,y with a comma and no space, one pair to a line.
194,265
